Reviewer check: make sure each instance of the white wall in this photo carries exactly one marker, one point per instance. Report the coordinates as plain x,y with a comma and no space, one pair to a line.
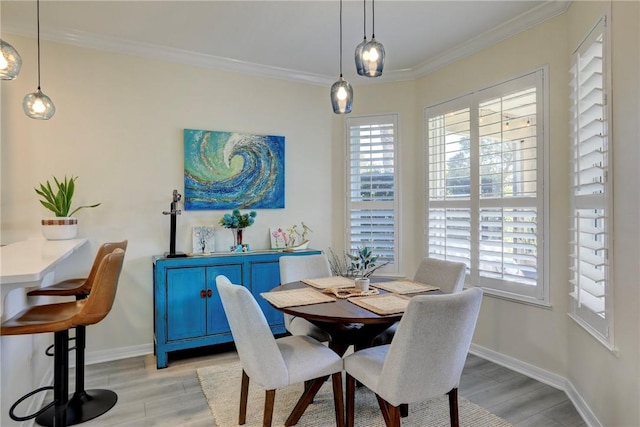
118,126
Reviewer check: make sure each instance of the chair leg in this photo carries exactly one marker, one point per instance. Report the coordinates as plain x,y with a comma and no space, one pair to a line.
404,410
269,399
337,398
390,413
394,415
351,398
305,400
453,407
244,395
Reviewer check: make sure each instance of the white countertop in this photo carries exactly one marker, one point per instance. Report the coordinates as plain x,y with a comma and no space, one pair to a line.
30,260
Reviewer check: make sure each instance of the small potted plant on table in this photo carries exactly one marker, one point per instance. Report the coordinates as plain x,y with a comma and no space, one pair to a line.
58,200
359,265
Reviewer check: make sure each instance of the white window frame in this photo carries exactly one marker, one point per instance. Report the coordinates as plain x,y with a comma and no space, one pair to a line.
537,294
392,268
600,326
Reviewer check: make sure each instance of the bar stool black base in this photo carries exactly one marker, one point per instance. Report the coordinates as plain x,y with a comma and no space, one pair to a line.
82,407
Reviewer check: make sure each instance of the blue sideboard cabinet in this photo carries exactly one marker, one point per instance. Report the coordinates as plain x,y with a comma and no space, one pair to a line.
188,312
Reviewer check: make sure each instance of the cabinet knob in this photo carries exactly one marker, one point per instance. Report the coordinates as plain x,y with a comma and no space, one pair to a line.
209,293
203,293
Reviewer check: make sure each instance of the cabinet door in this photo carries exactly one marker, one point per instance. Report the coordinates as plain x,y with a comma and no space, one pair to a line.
264,277
216,318
186,306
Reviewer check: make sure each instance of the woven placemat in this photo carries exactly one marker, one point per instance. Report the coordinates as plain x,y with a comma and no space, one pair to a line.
330,282
296,297
382,304
405,287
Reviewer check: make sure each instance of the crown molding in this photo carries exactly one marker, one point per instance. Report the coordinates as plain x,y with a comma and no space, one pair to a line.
523,22
89,40
181,56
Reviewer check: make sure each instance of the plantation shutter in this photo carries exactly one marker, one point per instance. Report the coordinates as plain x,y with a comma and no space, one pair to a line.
508,178
485,193
372,201
590,188
449,186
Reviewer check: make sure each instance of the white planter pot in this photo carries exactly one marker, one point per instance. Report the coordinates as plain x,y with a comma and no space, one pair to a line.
362,284
59,228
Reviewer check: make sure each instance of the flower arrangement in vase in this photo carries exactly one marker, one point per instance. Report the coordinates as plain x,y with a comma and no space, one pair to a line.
237,221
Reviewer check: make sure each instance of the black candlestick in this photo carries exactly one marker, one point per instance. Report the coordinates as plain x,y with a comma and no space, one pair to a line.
173,212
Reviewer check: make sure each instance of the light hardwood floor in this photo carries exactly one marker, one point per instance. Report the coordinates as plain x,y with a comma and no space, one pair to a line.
172,397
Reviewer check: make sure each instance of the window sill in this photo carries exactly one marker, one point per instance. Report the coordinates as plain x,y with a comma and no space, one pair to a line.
520,299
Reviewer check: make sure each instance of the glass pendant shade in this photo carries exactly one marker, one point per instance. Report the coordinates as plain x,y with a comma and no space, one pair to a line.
37,105
10,61
358,56
341,96
372,58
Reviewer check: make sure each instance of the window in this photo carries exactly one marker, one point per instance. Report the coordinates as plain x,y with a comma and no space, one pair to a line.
372,199
485,199
591,189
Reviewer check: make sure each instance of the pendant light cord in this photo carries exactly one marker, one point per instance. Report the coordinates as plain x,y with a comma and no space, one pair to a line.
38,20
341,38
373,19
364,18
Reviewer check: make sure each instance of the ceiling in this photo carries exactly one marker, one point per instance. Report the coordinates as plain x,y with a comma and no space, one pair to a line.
283,39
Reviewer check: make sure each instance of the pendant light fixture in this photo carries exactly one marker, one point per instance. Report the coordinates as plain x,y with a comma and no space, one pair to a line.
341,91
373,51
10,61
360,47
37,105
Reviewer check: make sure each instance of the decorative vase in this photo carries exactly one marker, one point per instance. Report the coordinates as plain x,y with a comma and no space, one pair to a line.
60,228
237,237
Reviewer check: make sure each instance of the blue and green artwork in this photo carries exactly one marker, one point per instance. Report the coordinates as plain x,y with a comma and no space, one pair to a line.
226,170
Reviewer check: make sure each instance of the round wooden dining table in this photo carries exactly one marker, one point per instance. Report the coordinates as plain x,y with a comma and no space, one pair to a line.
346,323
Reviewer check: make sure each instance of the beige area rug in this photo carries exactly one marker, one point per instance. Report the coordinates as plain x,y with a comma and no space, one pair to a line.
221,387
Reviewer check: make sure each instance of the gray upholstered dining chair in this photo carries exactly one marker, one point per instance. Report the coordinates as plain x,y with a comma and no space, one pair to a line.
294,268
276,363
448,275
425,358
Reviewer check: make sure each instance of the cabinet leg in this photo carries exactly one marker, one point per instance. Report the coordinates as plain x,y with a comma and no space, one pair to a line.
161,359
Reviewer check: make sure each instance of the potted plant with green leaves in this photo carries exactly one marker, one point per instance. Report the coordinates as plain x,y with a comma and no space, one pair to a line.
359,265
58,198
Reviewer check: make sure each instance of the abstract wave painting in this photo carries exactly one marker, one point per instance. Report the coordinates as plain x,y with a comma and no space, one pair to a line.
226,170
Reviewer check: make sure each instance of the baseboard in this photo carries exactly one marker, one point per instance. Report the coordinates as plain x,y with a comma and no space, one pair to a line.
544,376
94,357
583,409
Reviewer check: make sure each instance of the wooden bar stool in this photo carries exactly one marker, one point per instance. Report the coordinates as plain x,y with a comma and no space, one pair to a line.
59,318
83,405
